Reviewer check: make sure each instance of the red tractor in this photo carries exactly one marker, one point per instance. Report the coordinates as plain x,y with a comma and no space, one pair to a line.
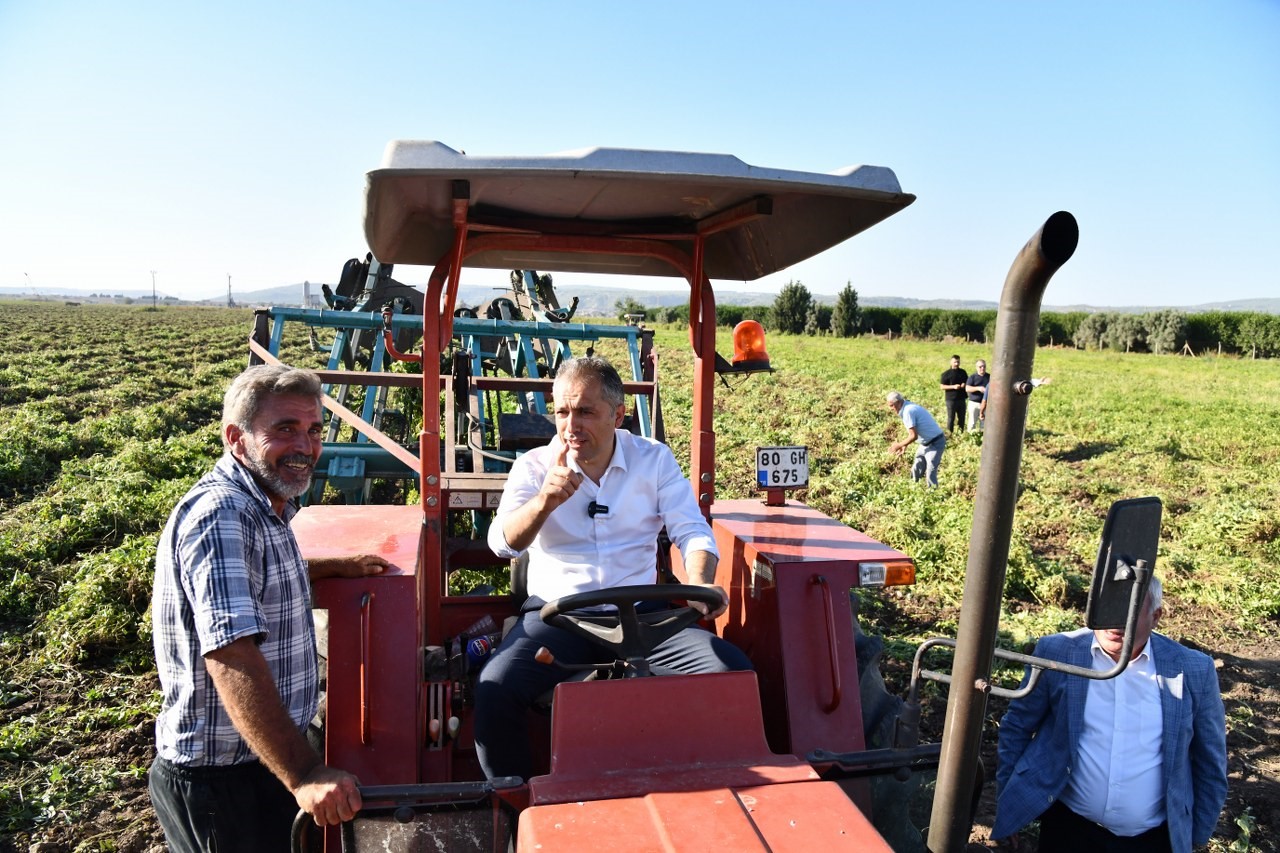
774,759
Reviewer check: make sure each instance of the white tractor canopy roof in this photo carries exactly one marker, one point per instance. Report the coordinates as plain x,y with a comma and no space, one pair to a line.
620,192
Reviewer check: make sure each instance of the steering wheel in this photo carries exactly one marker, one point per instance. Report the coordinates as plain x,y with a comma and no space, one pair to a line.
631,636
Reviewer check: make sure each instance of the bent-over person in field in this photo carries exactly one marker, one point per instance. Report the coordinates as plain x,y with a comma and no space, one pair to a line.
922,430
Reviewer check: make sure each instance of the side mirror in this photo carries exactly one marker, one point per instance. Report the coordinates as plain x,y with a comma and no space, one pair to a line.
1126,560
1130,538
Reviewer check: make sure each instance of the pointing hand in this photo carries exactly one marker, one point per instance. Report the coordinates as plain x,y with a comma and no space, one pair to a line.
561,481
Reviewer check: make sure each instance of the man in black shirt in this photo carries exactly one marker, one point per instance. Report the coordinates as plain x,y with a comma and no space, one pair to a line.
953,382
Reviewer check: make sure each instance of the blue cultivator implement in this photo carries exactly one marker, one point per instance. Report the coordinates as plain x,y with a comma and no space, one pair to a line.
495,370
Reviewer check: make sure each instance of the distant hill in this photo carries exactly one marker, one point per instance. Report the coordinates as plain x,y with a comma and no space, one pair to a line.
592,302
1265,306
600,301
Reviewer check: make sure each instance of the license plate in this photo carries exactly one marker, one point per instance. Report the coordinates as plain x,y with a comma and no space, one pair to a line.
782,467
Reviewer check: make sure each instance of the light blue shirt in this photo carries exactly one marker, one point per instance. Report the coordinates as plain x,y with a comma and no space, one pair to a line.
916,416
1118,780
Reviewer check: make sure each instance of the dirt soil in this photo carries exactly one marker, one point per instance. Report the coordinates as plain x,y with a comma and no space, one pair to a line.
1249,670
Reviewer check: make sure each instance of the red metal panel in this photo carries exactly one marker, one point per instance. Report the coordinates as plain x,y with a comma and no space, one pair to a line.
798,817
816,716
809,817
337,531
612,739
796,533
373,722
790,570
706,820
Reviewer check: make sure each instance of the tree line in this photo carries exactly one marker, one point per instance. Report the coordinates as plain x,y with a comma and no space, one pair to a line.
795,311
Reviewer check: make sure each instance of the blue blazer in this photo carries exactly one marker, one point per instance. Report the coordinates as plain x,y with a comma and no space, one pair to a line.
1040,733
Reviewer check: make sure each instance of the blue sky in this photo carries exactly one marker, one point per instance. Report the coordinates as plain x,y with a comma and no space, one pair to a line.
210,140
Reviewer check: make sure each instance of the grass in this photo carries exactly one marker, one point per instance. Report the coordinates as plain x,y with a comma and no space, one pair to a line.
108,414
1192,432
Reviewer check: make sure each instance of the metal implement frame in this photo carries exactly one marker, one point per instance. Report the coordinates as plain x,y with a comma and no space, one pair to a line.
370,454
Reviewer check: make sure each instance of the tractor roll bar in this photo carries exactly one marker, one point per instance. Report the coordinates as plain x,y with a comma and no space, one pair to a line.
1017,327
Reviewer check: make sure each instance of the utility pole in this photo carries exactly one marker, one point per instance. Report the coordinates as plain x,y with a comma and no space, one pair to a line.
231,303
153,288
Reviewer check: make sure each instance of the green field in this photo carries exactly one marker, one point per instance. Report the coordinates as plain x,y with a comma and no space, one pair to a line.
1197,433
108,414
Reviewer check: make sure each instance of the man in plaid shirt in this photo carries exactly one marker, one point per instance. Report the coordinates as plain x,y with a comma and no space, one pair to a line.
234,637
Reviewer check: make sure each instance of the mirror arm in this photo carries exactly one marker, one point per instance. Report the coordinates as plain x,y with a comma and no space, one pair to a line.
1137,596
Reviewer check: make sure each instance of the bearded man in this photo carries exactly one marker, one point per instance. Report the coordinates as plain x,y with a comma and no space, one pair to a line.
234,638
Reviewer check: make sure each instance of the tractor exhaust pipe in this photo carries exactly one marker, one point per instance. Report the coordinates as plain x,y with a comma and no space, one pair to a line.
1017,326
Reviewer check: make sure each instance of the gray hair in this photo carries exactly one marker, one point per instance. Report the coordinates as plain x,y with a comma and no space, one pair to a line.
250,389
894,398
1155,595
597,368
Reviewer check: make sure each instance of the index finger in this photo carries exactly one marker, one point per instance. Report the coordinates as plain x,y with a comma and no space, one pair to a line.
562,458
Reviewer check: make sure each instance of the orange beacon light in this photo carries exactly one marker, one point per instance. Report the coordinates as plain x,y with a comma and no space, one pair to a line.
748,347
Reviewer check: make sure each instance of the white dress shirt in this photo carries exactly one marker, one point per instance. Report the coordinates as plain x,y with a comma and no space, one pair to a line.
1118,781
643,489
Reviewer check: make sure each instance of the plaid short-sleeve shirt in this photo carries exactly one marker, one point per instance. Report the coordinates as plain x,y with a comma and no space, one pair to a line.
227,567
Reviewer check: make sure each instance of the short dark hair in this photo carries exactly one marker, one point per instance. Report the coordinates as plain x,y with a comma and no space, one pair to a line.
597,368
247,391
955,358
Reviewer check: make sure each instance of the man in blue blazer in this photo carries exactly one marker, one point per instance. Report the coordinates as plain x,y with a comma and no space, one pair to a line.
1137,762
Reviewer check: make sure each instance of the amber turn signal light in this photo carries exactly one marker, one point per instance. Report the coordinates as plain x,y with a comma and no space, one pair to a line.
894,573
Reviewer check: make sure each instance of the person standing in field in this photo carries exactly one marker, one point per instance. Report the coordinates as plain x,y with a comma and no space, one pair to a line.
1137,762
952,384
974,386
922,429
234,639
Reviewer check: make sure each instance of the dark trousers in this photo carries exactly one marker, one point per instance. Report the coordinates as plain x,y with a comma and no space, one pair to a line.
512,680
955,413
226,809
1064,831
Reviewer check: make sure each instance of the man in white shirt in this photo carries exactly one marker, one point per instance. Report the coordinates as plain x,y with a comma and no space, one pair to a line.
1133,763
974,387
588,508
